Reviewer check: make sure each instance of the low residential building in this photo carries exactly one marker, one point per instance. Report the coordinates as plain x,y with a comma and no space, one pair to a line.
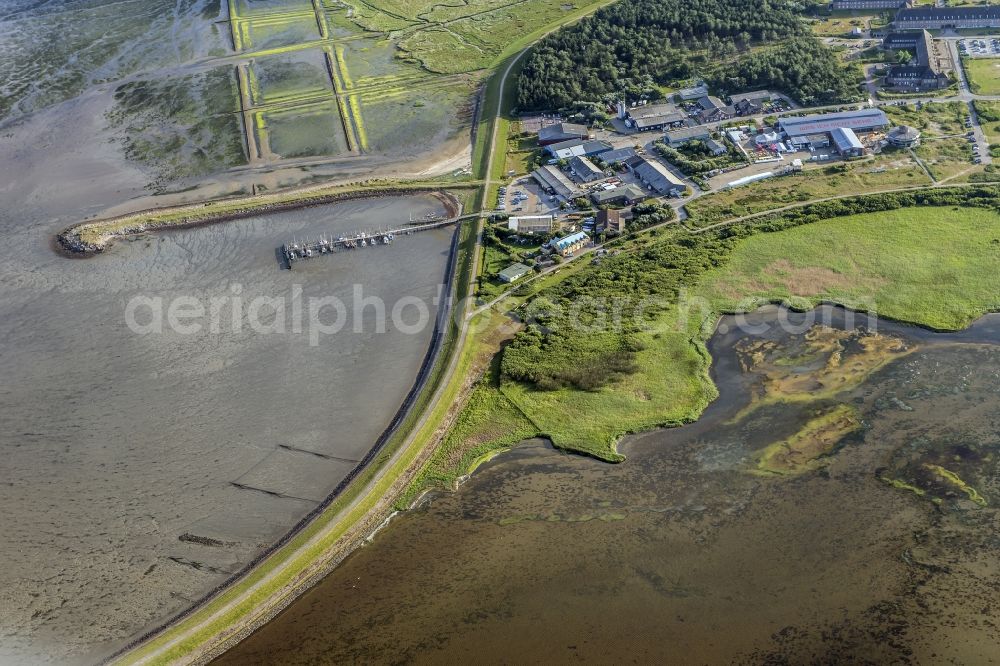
610,221
768,139
736,136
924,71
578,148
554,181
869,4
716,115
715,147
531,224
617,156
624,194
634,161
750,103
659,178
693,93
567,245
709,102
513,273
679,137
929,17
714,110
561,132
846,142
654,117
585,170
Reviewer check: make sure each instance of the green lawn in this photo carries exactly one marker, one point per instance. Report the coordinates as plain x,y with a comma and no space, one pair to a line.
989,119
933,119
984,75
890,170
945,158
938,267
498,255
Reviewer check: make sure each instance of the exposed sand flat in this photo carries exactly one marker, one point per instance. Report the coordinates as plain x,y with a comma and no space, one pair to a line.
116,445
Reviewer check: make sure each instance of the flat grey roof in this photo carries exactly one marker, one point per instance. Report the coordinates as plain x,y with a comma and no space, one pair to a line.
585,169
827,122
845,139
624,191
618,155
687,133
948,13
562,129
554,179
658,177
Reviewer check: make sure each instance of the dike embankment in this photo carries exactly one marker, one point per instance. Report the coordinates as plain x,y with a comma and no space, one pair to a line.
87,239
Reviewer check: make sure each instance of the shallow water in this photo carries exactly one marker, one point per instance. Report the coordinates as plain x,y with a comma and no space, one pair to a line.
683,554
122,451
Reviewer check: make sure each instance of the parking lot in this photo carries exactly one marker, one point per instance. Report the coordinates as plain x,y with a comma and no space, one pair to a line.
525,197
980,48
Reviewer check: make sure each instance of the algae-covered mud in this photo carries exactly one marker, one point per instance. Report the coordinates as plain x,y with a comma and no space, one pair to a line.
836,504
142,469
222,96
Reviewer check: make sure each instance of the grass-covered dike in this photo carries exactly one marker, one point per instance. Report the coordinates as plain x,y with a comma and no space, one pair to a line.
88,238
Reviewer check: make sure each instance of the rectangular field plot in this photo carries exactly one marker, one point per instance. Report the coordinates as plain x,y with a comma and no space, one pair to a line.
339,24
181,127
415,122
368,60
984,75
314,131
272,33
246,8
289,77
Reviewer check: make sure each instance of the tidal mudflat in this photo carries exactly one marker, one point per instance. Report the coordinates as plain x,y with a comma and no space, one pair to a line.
837,502
142,470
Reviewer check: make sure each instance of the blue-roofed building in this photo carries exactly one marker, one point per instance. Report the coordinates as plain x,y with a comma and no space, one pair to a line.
864,120
567,245
847,142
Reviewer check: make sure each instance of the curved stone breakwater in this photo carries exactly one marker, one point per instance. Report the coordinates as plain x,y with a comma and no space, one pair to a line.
90,238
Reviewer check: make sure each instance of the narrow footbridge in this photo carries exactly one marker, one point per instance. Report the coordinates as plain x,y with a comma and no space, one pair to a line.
299,250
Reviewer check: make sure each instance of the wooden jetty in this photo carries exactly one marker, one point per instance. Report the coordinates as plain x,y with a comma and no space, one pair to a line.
301,250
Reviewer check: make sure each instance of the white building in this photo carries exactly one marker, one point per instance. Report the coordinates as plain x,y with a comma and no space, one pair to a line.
531,224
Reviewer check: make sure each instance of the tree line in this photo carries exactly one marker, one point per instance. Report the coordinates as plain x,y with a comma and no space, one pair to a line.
633,46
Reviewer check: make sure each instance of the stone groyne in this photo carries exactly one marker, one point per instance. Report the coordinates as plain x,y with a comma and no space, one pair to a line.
90,238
